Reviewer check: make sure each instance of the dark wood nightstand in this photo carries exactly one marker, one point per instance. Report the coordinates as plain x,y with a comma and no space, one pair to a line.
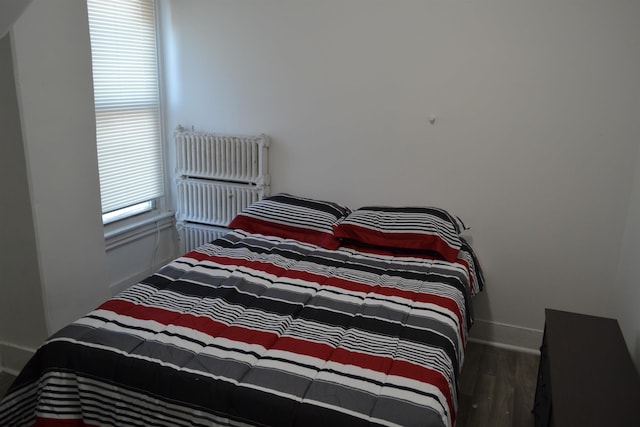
586,376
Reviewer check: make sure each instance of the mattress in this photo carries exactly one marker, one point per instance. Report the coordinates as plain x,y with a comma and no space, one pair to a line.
262,331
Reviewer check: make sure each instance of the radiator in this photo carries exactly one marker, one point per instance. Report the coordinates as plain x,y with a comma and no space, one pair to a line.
222,157
194,235
214,202
218,176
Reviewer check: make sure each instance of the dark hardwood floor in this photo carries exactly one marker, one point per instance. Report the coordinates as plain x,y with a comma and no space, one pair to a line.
496,387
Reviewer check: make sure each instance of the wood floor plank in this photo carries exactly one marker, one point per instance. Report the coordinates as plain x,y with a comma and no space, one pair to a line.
482,402
490,359
464,409
525,388
503,398
496,387
470,368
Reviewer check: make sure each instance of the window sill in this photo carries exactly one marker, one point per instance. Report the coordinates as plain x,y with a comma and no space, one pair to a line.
115,236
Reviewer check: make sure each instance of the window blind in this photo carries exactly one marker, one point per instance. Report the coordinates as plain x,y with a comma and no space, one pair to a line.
127,105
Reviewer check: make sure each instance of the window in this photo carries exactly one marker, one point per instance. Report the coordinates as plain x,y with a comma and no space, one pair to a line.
127,106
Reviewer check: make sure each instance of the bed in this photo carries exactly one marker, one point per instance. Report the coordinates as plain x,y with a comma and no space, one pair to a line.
305,313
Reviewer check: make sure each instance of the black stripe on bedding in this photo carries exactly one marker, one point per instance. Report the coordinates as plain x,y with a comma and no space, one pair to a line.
437,212
280,411
135,374
319,205
477,268
131,375
100,396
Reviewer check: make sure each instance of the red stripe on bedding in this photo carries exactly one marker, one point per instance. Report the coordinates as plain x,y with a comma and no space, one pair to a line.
252,336
406,369
142,312
202,324
252,224
198,256
373,362
303,347
306,276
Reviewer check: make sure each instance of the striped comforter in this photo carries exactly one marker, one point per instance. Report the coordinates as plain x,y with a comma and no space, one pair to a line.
256,330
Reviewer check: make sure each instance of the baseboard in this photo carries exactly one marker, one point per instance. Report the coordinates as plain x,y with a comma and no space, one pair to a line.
14,357
506,336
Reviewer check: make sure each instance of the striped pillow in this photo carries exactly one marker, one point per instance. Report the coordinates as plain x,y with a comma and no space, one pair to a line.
293,217
430,229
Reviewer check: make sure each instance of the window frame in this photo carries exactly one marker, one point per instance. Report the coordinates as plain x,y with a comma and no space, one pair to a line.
159,209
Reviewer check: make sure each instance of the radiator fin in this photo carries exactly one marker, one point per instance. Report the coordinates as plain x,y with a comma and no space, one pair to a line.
222,157
214,202
194,235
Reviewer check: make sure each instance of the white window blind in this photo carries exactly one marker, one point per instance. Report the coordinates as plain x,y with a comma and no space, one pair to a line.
125,79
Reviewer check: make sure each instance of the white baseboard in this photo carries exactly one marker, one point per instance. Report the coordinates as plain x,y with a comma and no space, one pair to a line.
506,336
14,357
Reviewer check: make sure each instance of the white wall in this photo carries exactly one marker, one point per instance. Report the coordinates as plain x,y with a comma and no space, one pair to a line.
10,10
134,255
22,321
626,289
55,95
534,143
